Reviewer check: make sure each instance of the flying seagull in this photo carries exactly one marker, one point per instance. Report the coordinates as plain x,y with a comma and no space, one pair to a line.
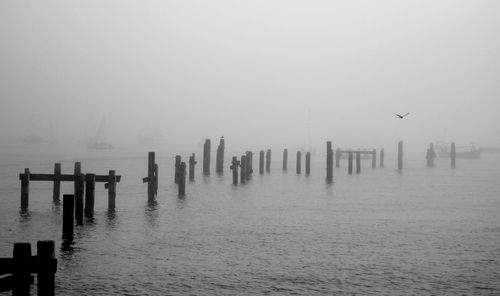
401,116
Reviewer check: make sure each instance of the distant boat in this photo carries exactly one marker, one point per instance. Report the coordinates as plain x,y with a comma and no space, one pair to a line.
99,143
460,152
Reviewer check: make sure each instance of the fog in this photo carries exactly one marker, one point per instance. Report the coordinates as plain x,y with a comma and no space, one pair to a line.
261,73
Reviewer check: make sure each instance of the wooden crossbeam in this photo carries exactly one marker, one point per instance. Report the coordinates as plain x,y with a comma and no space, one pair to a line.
34,265
64,178
355,151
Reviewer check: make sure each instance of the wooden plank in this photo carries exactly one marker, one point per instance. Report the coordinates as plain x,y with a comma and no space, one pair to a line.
105,178
34,265
356,151
65,177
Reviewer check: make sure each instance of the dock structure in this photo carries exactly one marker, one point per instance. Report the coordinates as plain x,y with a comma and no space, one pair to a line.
177,167
308,163
152,178
249,164
268,160
261,162
400,155
17,271
285,159
192,163
243,169
219,158
329,161
77,177
369,154
234,167
206,157
299,162
182,179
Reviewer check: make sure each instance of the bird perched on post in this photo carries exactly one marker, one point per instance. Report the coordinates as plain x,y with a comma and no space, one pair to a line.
401,116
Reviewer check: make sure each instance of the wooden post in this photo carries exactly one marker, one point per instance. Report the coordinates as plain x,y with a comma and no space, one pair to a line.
400,155
177,167
89,195
243,167
112,189
79,209
206,157
234,167
338,155
249,165
22,277
298,162
358,162
350,163
79,188
374,158
68,216
308,163
25,188
156,178
45,280
151,176
329,161
285,159
57,183
268,160
192,163
381,158
182,179
219,160
261,162
453,155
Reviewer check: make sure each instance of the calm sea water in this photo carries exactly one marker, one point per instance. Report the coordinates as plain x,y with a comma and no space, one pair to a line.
422,231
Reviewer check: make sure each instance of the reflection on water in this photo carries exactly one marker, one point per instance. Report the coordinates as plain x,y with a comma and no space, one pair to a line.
379,232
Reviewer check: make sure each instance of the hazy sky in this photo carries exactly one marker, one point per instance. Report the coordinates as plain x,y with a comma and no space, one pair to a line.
257,72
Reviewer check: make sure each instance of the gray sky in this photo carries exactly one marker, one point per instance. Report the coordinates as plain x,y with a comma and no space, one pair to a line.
251,71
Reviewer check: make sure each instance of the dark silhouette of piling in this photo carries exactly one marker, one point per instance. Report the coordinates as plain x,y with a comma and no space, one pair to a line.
243,167
285,159
45,280
57,183
234,167
453,155
156,178
268,160
400,155
192,163
182,179
430,155
68,216
358,162
206,157
177,167
349,168
219,160
298,164
261,162
338,155
151,177
79,179
374,158
89,195
308,163
112,189
249,165
79,209
329,161
22,277
381,158
25,188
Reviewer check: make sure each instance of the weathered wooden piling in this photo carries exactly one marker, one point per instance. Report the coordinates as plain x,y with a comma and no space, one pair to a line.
234,166
308,162
430,155
261,162
57,182
298,163
156,178
206,157
400,155
338,156
22,277
285,159
182,179
243,167
192,163
89,195
358,162
329,161
374,158
349,168
268,160
111,186
79,209
219,159
249,164
25,188
150,179
177,167
68,216
381,165
453,155
45,278
79,179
